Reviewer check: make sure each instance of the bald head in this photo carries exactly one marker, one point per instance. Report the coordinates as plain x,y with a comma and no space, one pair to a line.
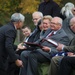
72,24
72,20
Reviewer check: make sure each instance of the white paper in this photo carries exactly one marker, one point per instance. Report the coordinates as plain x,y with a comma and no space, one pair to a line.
53,42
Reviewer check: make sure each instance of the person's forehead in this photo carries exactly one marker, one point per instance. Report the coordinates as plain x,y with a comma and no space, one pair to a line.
26,28
72,20
47,20
54,20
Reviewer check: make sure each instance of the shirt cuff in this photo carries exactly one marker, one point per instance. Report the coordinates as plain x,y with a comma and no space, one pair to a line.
50,50
63,48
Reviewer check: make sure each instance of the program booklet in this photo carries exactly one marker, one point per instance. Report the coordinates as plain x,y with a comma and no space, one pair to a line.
52,42
33,44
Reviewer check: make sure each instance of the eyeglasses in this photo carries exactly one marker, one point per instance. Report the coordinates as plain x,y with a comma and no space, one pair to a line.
55,23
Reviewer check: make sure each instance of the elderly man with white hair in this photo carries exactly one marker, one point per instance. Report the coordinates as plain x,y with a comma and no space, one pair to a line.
7,39
36,16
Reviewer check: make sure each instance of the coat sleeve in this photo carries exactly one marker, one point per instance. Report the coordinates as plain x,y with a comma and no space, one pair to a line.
69,48
56,10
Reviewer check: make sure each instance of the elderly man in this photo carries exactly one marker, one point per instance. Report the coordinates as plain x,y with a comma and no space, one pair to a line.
7,38
31,59
36,16
67,63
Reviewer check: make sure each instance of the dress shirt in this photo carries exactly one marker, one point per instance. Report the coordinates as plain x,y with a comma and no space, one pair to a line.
52,33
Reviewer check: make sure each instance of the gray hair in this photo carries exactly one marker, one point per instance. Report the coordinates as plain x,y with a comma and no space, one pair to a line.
60,21
67,9
17,17
39,13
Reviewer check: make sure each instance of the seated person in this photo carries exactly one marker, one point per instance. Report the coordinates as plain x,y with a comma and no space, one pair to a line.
44,54
26,32
67,63
45,26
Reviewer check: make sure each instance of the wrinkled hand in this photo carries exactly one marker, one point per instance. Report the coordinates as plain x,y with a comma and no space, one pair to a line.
60,46
19,63
20,46
45,48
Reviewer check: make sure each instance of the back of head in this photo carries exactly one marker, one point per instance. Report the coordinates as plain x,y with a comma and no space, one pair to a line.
67,9
17,17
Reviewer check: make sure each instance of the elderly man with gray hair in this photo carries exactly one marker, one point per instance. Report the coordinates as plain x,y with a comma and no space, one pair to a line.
36,17
7,38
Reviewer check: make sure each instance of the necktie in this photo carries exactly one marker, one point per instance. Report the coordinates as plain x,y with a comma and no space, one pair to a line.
51,34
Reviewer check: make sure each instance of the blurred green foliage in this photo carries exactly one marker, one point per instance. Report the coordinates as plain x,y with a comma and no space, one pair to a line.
26,7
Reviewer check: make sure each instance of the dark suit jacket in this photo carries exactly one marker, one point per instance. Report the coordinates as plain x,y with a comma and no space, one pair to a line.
35,35
60,37
7,38
49,8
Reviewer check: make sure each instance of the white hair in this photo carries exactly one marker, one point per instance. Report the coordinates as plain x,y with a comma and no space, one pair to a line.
60,21
39,13
67,9
17,17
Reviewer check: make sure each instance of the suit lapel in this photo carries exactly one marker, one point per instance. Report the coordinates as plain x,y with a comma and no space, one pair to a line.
47,32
